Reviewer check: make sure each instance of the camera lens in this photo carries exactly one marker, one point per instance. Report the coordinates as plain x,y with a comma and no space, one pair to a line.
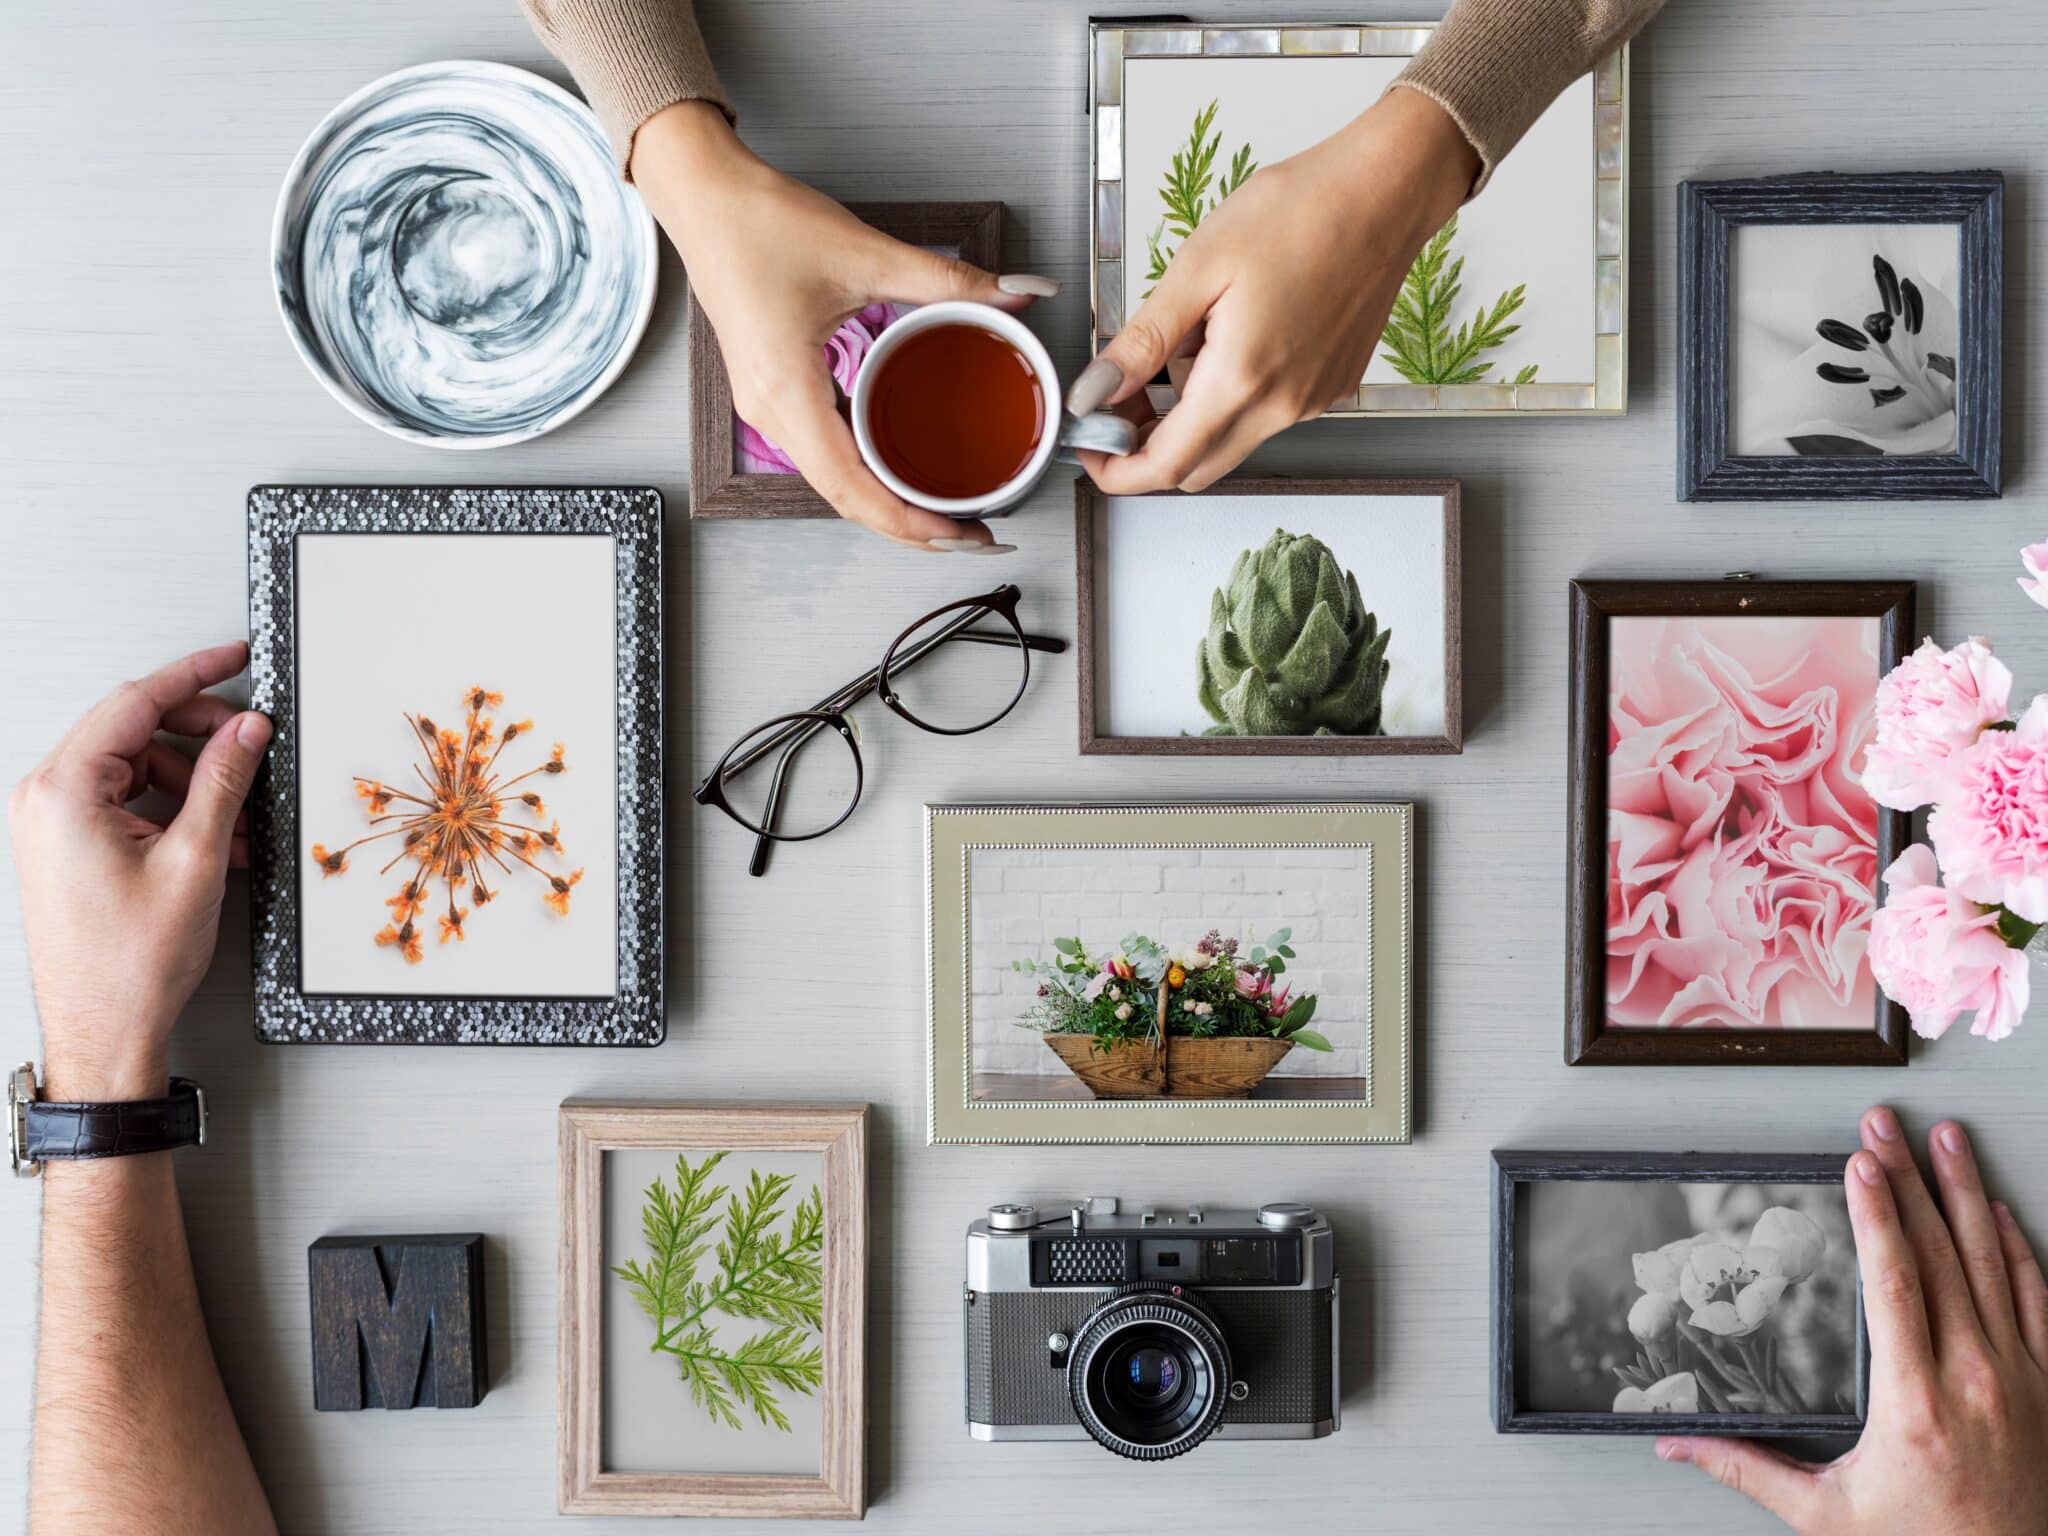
1148,1374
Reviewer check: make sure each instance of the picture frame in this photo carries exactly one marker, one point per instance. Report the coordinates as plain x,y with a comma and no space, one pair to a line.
1513,1172
719,486
834,1136
997,923
1590,1040
605,988
1583,367
1092,512
1712,215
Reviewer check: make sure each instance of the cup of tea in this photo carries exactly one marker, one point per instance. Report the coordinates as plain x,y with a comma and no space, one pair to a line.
957,409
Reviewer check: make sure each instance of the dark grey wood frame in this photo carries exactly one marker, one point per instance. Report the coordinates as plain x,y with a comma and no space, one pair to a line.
631,517
1709,210
1091,504
1511,1170
719,490
1588,1039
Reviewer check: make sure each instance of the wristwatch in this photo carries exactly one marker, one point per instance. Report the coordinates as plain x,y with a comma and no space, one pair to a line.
38,1132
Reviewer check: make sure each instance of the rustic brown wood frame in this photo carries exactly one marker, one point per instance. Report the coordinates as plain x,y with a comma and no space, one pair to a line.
587,1132
1090,503
1588,1039
717,489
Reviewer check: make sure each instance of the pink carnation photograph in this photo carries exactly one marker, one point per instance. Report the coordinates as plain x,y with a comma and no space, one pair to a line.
1742,850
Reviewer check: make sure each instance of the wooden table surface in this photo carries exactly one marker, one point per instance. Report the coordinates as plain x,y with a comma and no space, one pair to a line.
146,383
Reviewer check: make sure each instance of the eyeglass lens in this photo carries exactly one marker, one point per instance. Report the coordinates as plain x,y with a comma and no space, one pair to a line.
963,680
803,784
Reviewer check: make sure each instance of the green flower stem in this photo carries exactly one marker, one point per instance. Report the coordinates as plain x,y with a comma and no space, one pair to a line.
2016,930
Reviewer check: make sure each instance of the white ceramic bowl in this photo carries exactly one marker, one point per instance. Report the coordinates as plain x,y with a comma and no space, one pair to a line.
457,258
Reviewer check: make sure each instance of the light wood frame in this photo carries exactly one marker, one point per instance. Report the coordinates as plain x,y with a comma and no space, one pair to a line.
836,1131
1091,507
1588,1040
717,488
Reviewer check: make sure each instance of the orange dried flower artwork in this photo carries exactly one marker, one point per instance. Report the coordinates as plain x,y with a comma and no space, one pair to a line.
462,830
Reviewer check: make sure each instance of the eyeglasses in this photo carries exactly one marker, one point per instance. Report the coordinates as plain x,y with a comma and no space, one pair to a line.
957,670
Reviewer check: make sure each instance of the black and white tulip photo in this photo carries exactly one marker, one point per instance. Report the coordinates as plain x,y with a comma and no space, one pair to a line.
1843,339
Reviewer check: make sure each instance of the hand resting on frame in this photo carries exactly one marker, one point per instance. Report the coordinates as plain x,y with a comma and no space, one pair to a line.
1956,1438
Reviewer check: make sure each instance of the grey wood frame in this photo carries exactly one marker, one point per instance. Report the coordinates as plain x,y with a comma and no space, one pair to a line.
1091,504
1512,1169
717,488
586,1131
1588,1039
1708,211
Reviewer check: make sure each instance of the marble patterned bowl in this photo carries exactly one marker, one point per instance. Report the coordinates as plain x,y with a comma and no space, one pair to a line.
457,258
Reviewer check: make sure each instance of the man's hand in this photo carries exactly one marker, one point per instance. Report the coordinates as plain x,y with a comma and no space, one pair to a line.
778,267
1956,1439
120,911
1281,294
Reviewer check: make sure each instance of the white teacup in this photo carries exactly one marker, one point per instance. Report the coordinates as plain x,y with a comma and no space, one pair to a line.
1102,432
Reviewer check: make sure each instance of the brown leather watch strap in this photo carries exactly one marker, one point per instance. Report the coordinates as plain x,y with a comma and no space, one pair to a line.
64,1132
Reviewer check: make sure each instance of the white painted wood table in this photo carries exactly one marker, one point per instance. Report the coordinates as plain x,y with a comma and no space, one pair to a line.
145,383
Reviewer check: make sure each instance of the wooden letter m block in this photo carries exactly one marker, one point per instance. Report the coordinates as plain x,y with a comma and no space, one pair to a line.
398,1322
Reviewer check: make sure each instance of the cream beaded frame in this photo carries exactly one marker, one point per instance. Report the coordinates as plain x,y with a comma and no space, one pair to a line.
1111,44
954,832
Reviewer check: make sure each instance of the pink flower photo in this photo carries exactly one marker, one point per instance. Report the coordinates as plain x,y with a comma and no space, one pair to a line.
1741,845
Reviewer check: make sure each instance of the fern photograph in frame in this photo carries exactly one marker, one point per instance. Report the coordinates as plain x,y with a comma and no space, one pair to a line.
1201,973
1518,306
713,1290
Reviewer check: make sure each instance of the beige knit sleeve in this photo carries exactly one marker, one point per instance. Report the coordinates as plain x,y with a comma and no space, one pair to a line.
1494,65
631,57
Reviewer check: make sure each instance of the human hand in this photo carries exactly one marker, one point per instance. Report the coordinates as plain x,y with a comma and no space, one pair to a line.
120,911
1957,1310
778,267
1284,289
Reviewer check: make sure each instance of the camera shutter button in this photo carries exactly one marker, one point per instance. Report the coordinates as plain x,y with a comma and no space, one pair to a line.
1284,1215
1012,1218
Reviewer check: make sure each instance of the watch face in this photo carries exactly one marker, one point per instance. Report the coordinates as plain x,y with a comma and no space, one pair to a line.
21,1092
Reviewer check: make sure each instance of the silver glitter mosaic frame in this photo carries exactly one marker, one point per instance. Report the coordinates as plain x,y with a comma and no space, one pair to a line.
1111,43
285,1013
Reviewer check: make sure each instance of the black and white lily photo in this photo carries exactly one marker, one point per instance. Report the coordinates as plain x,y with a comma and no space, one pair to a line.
1843,339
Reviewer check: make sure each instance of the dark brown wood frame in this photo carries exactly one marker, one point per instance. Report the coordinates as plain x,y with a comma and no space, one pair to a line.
717,489
1090,503
1588,1040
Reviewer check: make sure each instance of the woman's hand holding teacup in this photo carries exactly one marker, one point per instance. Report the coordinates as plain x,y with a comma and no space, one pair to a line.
778,267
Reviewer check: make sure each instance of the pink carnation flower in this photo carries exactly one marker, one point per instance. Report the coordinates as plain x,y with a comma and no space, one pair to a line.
1930,707
1990,831
1938,955
2035,583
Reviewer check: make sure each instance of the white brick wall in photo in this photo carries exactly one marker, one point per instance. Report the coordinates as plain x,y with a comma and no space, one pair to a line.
1021,899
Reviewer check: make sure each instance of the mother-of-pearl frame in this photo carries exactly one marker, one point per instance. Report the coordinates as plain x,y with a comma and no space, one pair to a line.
954,832
1112,43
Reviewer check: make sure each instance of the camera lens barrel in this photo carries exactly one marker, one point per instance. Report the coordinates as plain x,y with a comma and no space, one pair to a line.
1149,1373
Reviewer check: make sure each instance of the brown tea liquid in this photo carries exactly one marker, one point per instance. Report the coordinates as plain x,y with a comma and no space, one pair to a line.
956,411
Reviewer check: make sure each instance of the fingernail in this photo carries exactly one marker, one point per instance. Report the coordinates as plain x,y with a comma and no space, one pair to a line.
1867,1168
1098,381
1028,285
1884,1125
2002,1214
970,547
1675,1450
252,730
1951,1139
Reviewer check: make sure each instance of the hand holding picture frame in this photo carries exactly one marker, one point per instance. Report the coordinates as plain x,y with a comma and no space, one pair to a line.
1722,1288
713,1297
1724,855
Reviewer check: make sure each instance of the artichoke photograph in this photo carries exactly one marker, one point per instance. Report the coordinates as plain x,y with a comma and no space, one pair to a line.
1292,650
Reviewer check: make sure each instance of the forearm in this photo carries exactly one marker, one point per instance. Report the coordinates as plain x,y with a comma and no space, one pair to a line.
1495,65
133,1431
632,58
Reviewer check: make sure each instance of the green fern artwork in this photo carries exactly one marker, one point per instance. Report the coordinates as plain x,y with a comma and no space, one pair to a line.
1186,192
1419,341
764,1272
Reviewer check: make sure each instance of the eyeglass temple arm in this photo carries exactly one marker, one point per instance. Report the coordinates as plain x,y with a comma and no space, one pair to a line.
764,845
